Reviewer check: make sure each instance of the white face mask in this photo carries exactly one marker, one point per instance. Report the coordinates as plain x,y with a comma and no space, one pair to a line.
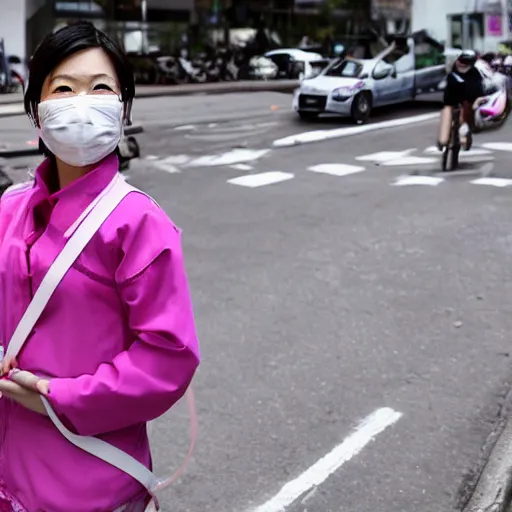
81,130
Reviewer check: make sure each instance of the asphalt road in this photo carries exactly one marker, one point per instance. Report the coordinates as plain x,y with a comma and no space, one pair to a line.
342,312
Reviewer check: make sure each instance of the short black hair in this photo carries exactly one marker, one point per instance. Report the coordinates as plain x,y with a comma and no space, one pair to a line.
61,44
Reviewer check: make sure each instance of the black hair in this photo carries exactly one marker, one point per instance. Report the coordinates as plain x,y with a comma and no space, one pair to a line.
61,44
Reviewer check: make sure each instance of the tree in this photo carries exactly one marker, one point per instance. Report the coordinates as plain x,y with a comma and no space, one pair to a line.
356,10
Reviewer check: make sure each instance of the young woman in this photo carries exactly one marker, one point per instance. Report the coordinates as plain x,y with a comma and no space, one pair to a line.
116,345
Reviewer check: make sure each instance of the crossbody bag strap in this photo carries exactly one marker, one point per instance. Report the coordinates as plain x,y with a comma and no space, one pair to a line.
74,246
106,452
80,235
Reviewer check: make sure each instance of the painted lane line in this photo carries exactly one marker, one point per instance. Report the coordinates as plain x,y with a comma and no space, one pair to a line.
236,156
403,181
433,150
336,169
262,179
493,182
498,146
242,167
366,432
7,110
321,135
185,127
384,156
409,160
169,168
170,164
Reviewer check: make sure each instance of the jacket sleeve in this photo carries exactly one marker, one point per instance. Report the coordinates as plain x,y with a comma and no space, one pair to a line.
145,380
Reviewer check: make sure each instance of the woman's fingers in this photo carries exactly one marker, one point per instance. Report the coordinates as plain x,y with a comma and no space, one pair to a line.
30,381
8,363
26,379
43,386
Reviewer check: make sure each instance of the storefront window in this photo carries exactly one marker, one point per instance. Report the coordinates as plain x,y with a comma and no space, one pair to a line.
80,8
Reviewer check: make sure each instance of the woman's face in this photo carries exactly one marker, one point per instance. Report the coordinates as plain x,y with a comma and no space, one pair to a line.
86,72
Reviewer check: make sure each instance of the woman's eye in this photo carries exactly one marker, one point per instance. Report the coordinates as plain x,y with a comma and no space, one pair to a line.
63,88
102,87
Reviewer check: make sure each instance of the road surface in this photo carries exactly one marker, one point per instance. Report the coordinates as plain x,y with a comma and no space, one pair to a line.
352,303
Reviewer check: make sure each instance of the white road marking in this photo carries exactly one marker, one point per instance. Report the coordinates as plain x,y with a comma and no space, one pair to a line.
409,160
7,110
170,164
493,182
236,156
366,432
151,157
384,156
433,150
262,179
321,135
185,127
166,167
498,146
336,169
403,181
242,167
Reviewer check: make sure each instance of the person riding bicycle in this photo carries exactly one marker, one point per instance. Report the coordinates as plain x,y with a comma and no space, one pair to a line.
464,85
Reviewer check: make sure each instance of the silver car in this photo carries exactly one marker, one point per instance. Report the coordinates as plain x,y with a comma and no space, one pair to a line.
352,87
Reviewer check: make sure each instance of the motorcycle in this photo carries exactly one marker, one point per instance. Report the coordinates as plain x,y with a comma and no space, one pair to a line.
493,109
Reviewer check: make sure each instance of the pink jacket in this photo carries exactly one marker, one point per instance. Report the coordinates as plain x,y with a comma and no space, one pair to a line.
117,339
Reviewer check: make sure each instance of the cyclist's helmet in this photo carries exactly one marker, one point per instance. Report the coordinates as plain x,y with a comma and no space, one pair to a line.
467,58
465,61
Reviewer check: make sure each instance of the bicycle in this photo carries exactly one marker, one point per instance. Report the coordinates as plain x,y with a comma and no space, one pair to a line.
454,146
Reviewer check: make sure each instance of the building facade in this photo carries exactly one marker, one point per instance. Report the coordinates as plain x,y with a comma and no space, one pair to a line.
24,23
477,24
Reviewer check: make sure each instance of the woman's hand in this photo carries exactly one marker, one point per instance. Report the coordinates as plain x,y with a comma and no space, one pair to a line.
26,389
8,363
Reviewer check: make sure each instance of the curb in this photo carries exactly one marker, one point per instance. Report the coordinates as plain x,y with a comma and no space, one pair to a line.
20,152
220,88
150,91
493,491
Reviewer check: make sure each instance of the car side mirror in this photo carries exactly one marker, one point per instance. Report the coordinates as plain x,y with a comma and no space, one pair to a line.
382,74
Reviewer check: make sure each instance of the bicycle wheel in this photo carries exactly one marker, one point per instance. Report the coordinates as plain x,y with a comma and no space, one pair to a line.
454,161
444,158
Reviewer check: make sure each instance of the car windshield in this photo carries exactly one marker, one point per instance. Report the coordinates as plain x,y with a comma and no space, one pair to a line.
345,68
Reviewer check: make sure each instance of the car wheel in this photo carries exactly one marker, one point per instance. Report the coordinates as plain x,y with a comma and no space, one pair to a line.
308,116
361,107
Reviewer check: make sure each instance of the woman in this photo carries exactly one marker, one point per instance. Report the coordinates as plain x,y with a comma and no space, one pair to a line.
117,339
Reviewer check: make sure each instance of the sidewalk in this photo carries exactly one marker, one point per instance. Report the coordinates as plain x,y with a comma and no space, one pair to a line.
153,91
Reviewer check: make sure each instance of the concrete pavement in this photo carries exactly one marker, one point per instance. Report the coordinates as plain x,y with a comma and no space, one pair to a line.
155,91
324,298
352,306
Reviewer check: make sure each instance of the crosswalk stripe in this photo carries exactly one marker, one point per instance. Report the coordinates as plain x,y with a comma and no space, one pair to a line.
262,179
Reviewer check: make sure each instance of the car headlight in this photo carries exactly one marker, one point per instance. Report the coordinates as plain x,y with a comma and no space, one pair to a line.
343,93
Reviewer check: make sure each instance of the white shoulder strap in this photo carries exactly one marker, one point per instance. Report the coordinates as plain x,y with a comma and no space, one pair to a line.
80,235
65,260
106,452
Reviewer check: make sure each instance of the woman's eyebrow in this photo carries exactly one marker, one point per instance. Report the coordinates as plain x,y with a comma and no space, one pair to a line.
63,76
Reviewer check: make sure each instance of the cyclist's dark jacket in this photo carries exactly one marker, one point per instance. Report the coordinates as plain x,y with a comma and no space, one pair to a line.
463,87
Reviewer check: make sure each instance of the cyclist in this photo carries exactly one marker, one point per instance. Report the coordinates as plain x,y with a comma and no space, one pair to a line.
464,85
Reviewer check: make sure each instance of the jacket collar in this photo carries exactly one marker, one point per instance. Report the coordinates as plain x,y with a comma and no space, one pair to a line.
62,208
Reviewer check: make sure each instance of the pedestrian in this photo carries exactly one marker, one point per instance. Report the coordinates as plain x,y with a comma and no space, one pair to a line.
115,346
